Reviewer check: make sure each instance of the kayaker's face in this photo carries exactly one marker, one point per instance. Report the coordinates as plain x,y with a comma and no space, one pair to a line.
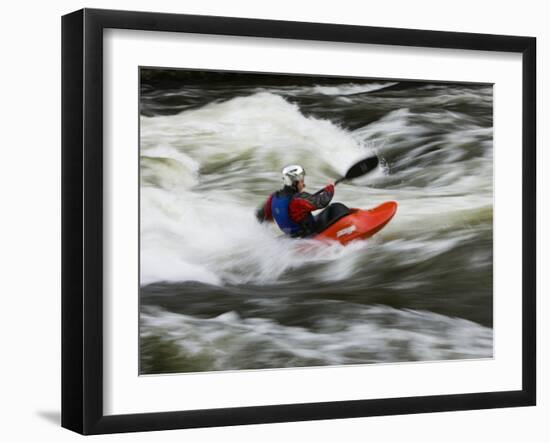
300,186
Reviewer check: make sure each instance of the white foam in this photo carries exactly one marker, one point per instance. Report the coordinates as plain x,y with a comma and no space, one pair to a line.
351,89
197,212
369,335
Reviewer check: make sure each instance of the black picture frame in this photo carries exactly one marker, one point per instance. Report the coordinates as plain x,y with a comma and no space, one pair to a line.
82,219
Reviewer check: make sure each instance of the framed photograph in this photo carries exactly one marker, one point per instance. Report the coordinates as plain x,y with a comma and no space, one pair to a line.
269,221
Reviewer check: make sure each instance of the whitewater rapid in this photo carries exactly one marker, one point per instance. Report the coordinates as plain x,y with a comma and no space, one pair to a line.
204,172
212,276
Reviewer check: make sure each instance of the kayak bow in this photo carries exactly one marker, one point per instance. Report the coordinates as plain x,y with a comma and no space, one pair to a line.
359,224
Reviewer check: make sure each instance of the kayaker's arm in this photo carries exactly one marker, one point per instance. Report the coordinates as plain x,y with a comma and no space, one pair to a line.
303,204
321,198
263,213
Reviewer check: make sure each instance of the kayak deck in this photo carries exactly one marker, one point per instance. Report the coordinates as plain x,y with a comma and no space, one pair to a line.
359,224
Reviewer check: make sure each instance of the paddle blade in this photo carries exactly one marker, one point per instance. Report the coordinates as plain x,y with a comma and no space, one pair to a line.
362,167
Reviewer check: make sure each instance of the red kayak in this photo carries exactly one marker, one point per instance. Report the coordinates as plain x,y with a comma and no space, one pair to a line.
359,223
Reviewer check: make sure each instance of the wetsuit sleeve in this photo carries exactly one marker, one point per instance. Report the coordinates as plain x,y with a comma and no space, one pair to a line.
323,198
263,213
304,203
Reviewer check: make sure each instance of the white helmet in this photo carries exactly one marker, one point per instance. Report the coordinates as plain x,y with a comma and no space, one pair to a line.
292,174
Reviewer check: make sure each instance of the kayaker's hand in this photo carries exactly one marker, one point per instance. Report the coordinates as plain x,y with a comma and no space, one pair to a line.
260,215
330,188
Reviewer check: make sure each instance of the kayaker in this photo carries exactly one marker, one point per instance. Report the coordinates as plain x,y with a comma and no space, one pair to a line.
291,208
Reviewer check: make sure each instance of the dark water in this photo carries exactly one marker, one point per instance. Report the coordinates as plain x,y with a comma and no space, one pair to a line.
220,292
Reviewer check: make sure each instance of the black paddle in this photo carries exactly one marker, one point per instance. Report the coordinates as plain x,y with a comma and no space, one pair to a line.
358,169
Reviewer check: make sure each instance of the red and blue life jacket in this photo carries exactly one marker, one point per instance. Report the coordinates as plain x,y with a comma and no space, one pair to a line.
279,210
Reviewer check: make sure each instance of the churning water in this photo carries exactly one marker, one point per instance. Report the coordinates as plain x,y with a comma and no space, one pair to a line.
220,291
